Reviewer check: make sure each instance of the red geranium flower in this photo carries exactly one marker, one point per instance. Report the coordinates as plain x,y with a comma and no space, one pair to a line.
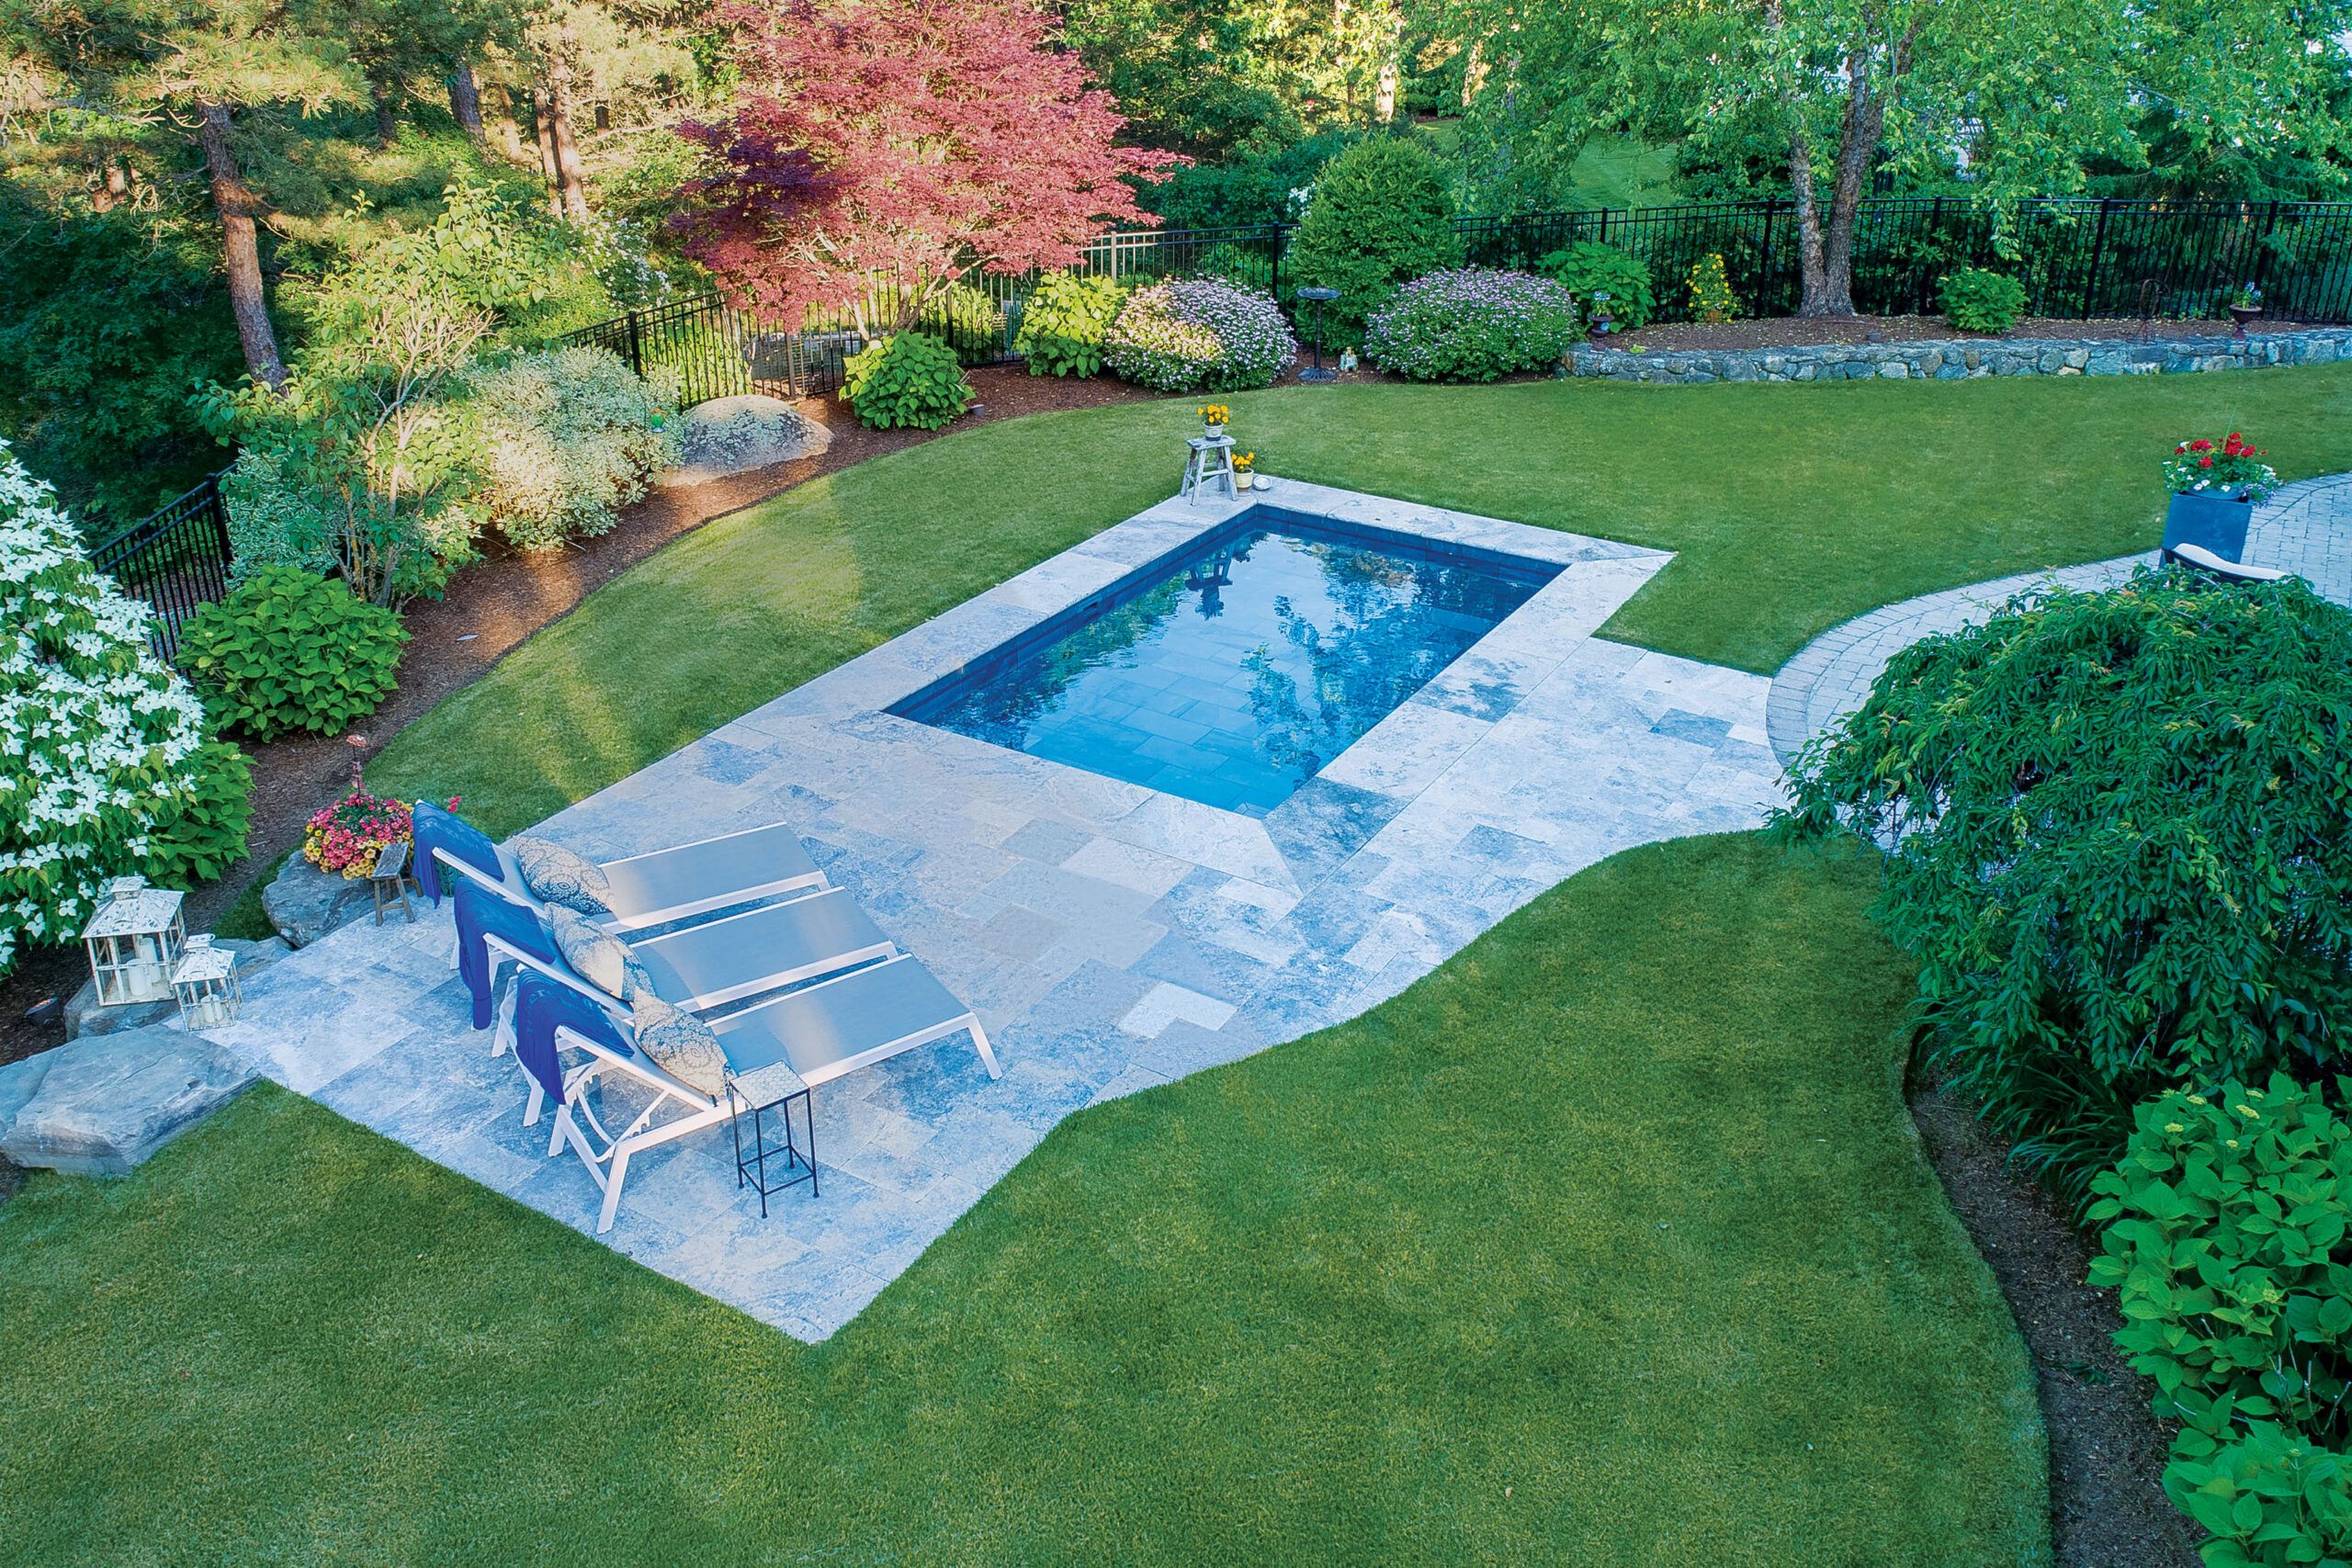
2200,445
2204,462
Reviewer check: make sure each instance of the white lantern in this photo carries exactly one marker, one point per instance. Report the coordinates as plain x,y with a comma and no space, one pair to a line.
134,941
206,984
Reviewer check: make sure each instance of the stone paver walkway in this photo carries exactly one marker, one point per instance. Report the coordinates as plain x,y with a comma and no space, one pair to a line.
1112,938
2304,527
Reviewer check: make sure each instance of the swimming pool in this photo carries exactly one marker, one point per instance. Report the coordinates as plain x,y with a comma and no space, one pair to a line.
1231,672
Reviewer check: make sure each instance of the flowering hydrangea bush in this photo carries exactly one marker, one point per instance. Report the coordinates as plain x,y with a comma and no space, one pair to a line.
2232,466
1200,331
346,837
1472,324
98,739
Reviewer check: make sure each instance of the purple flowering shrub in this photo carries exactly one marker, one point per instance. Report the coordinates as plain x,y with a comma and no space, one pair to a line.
1472,324
1199,332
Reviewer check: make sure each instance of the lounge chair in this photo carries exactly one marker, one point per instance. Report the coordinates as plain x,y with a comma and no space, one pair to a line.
2211,564
814,1034
739,955
651,889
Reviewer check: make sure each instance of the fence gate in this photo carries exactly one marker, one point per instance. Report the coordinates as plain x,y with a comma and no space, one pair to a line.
176,561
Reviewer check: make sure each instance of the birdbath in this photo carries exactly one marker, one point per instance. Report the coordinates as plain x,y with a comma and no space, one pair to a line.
1321,297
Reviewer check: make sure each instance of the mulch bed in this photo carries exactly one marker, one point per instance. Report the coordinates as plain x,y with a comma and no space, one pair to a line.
493,606
2106,1448
1797,331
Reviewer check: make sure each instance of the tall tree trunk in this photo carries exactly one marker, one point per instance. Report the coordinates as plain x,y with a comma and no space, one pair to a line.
387,105
465,98
233,200
543,122
572,185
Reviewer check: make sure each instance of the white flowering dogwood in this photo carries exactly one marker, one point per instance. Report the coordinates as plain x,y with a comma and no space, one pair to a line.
96,735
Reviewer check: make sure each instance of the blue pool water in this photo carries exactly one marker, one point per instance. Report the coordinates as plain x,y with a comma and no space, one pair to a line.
1232,672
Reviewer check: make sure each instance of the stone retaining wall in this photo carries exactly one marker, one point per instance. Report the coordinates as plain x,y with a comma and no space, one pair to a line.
1954,359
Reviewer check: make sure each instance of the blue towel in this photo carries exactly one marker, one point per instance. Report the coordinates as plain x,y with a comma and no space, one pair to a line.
540,1004
482,913
438,827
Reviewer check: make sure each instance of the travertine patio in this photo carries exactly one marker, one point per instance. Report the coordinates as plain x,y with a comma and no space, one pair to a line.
1112,938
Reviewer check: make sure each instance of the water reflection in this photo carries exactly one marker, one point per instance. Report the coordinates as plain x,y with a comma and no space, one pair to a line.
1243,673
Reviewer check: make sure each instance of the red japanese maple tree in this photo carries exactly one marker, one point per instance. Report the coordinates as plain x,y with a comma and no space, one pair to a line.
880,150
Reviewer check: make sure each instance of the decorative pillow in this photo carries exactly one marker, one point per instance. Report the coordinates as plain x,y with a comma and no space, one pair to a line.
683,1043
598,957
556,875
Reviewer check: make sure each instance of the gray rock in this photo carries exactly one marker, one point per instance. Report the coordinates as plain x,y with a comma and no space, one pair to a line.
19,1081
734,436
305,903
104,1104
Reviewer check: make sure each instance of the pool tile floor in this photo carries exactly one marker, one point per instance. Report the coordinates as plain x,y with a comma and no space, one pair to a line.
1112,938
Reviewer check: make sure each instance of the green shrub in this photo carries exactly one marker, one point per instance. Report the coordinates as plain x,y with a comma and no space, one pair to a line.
288,649
1711,295
568,436
206,835
2119,835
1976,301
1381,213
2229,1241
1473,324
969,321
2271,1498
274,518
907,379
1063,323
1589,268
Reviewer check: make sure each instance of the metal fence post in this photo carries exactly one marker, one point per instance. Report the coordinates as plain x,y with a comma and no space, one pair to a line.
636,345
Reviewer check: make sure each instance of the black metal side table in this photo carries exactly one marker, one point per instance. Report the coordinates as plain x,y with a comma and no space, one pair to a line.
760,1093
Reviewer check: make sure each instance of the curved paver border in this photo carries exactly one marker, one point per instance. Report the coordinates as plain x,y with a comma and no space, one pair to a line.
2304,527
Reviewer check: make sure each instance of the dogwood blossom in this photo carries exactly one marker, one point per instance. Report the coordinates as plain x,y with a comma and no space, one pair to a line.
96,734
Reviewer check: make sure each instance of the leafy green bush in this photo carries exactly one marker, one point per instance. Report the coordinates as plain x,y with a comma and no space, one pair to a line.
288,649
2271,1498
1382,213
1246,189
568,436
2119,828
907,379
1976,301
1199,332
969,321
2229,1240
206,835
1063,323
1589,268
1473,325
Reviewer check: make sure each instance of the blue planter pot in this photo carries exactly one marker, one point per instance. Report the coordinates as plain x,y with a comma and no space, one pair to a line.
2212,522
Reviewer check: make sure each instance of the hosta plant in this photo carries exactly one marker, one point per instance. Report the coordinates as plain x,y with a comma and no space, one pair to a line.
2119,837
1589,269
2232,466
1472,324
1976,299
206,835
1063,323
907,379
2269,1500
2228,1238
1200,333
98,739
288,649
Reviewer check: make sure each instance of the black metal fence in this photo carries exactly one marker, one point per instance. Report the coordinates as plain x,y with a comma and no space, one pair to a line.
176,561
2078,258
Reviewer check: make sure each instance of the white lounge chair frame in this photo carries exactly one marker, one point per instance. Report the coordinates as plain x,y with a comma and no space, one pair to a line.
509,882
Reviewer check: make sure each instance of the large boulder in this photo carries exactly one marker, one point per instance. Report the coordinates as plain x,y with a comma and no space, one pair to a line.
305,903
85,1016
734,436
100,1105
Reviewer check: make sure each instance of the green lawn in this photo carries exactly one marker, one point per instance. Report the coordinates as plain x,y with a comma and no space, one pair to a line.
1559,1257
1792,508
